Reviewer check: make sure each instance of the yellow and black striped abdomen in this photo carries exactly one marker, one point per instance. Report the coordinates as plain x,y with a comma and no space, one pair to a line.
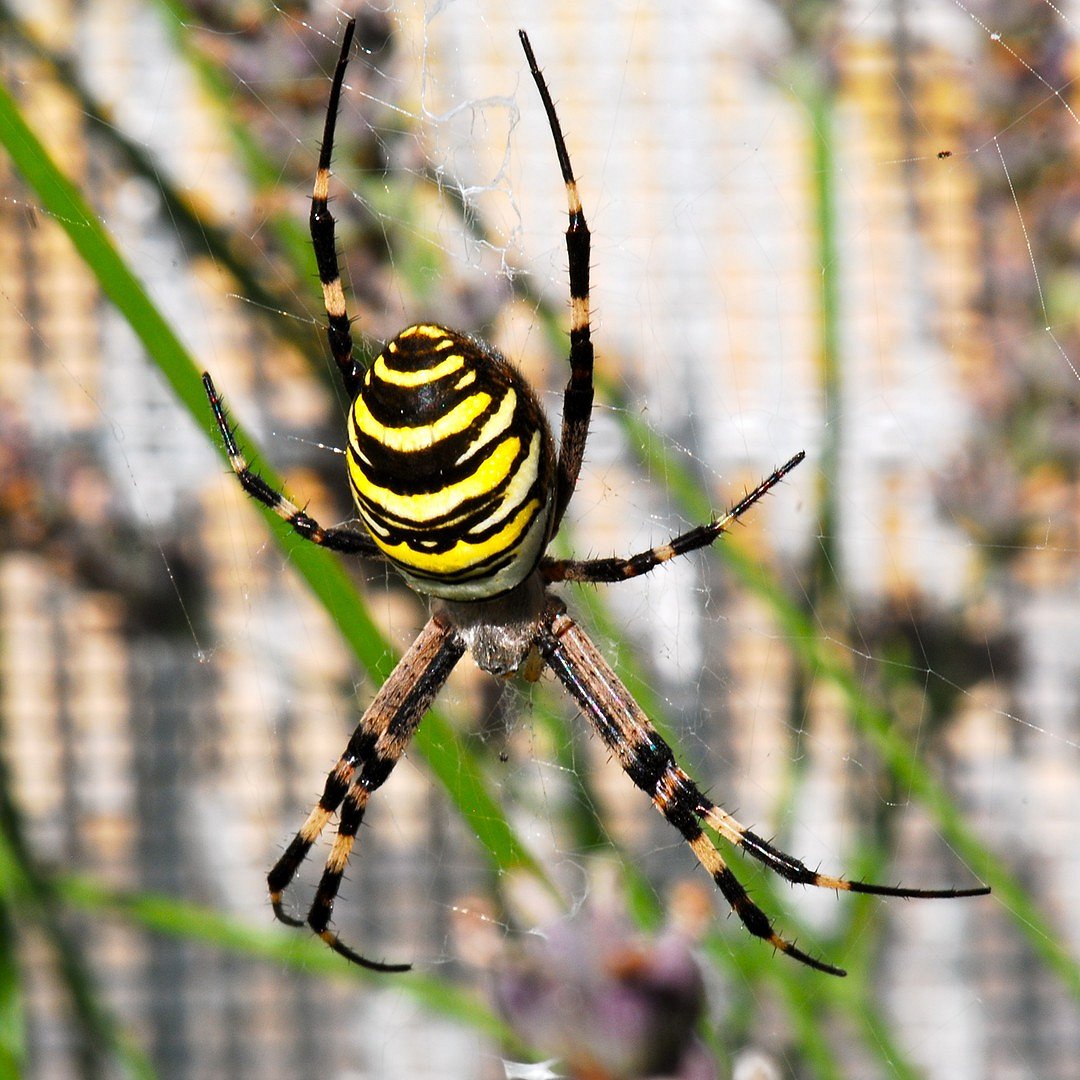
451,464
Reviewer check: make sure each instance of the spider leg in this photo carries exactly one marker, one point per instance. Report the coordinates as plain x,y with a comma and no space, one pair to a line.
321,225
376,745
798,873
616,569
649,762
578,396
348,541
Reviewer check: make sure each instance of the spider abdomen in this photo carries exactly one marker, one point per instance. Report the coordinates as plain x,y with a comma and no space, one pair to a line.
451,464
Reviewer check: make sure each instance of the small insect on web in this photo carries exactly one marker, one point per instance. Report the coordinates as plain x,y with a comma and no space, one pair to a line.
459,485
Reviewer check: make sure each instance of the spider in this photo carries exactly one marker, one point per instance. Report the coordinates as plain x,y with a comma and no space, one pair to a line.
458,485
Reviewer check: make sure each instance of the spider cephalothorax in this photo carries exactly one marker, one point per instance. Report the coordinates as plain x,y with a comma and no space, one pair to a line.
457,484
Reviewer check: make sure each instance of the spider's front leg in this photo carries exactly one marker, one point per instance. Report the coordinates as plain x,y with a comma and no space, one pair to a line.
650,763
578,396
374,749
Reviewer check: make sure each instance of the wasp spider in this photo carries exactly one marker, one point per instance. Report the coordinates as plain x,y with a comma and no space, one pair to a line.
459,485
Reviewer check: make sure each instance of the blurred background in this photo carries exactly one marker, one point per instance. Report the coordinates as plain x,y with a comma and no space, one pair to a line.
843,227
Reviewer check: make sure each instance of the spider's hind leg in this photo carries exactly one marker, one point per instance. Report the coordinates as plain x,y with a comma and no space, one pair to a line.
285,869
374,749
650,763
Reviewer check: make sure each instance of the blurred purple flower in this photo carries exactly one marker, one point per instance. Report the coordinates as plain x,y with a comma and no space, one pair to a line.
608,1003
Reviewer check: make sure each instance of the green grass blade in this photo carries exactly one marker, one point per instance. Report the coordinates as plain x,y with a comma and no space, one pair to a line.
195,231
824,656
459,770
194,922
821,655
12,1013
27,895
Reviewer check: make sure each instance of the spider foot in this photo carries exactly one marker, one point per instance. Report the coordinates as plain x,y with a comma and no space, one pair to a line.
796,953
335,943
280,914
913,894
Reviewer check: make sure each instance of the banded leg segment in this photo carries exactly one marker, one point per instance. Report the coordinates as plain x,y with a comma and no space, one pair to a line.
347,541
622,569
578,396
649,762
798,873
374,749
321,225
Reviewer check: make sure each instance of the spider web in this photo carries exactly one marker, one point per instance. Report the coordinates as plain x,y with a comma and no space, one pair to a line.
851,234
